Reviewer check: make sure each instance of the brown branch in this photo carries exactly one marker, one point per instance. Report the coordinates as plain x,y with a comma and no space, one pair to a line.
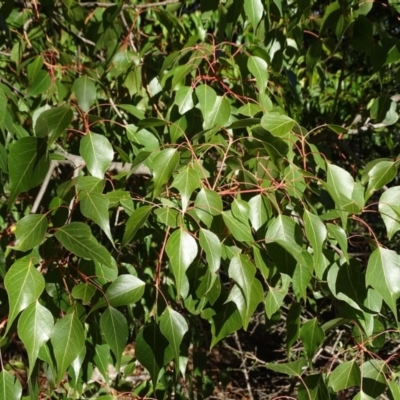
130,6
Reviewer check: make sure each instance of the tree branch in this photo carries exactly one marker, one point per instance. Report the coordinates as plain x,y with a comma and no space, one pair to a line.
130,6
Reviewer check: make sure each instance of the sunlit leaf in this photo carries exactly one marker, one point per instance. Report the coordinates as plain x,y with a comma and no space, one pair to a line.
164,165
85,92
345,375
30,231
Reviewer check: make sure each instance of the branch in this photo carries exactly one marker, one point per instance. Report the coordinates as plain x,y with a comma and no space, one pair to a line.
130,6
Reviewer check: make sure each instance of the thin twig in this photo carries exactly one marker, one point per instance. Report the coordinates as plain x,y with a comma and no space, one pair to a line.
130,6
243,366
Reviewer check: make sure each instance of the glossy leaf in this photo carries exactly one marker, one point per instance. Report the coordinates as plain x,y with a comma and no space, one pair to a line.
383,274
242,271
279,125
182,250
114,326
77,238
238,229
126,289
164,165
136,220
186,182
211,245
24,284
10,387
68,340
34,329
345,375
30,231
260,211
184,99
97,152
259,69
28,163
207,204
381,173
388,202
85,92
254,11
95,207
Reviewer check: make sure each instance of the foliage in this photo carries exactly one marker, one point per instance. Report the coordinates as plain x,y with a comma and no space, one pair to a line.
171,170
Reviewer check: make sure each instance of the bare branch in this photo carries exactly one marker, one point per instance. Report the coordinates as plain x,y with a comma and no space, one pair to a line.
130,6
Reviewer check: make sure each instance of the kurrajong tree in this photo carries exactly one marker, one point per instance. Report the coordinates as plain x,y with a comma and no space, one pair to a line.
179,172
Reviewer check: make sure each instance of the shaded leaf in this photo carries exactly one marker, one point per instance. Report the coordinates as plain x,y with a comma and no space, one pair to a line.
152,350
28,163
186,182
238,229
115,329
312,337
84,292
173,326
295,368
226,321
136,220
207,204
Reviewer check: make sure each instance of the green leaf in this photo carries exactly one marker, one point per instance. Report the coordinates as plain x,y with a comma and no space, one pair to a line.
115,329
91,184
10,387
28,163
295,368
345,375
274,300
182,250
383,274
173,326
169,216
97,152
380,174
207,204
34,329
85,93
184,99
316,233
259,69
284,231
30,231
339,234
242,271
238,229
254,11
340,185
247,308
77,238
388,202
211,245
68,340
137,219
126,289
313,387
260,210
152,350
279,125
3,107
102,359
39,84
312,337
186,181
95,207
301,278
24,284
226,321
84,292
164,165
53,122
